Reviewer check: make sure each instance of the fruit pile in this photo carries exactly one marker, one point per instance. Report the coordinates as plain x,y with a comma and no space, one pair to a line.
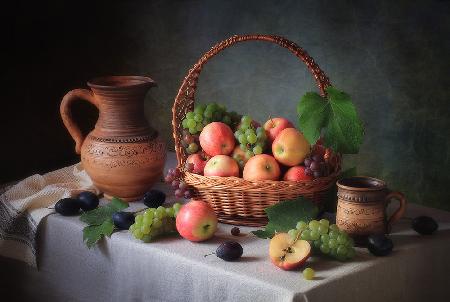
227,144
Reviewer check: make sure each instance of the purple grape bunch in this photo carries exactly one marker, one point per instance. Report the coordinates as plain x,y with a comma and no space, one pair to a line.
316,166
181,188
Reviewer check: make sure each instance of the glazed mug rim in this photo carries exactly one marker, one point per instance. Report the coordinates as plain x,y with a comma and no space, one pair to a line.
120,82
378,183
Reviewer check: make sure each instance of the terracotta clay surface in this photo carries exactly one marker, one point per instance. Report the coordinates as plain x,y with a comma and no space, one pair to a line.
362,203
122,155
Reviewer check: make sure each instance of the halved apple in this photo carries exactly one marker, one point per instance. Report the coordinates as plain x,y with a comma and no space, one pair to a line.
287,253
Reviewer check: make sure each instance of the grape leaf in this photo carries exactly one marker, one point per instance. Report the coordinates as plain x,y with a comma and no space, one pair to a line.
93,233
335,117
100,221
284,216
100,214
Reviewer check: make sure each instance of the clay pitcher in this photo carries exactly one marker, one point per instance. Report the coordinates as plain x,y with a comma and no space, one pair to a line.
122,155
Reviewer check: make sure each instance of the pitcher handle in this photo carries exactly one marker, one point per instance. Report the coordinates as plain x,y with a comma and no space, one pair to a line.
401,209
66,114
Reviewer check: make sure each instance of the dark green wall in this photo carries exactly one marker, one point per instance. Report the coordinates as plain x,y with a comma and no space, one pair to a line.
393,57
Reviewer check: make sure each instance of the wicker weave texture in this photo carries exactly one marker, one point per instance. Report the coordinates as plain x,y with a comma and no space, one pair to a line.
235,200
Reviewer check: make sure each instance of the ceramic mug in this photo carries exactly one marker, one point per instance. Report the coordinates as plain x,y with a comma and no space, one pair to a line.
361,208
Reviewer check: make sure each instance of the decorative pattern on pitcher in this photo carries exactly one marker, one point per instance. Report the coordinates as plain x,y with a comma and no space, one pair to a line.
359,227
357,211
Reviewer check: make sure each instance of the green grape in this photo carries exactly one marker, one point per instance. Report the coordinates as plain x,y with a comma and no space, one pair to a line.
308,273
342,238
324,248
170,212
138,219
205,122
314,235
246,120
317,244
191,123
333,234
190,115
249,131
251,138
211,107
293,233
332,243
243,147
208,114
138,234
227,120
184,123
198,118
157,223
161,212
199,110
341,250
333,252
145,229
221,107
248,154
325,238
147,238
217,116
314,225
244,126
306,235
301,225
192,148
324,222
334,227
257,149
322,229
176,206
147,220
192,130
260,130
199,127
242,139
132,228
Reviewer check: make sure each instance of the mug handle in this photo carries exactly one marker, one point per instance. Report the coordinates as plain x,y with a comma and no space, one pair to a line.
66,114
400,211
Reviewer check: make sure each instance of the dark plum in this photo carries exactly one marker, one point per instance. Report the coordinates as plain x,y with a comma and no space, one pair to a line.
88,200
67,206
123,220
424,225
229,251
154,198
379,245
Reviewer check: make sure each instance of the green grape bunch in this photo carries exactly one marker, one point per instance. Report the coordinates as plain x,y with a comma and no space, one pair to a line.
155,222
325,239
203,114
251,136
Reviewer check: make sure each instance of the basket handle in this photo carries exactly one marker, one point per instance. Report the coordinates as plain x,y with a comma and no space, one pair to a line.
184,101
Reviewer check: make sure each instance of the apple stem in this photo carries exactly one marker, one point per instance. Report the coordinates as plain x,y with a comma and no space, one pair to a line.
273,123
209,254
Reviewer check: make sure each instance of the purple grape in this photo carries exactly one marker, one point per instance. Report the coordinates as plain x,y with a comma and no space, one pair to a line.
307,162
187,194
314,166
169,178
170,171
176,173
175,184
179,193
183,185
308,171
317,174
317,158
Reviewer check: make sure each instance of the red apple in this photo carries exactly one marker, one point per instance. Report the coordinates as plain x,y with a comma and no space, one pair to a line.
196,221
261,167
198,161
275,125
287,253
290,147
217,138
296,173
221,165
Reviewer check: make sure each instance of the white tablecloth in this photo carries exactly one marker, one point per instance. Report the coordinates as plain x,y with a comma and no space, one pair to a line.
173,269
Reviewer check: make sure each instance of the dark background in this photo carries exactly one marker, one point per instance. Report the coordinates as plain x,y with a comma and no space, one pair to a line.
393,57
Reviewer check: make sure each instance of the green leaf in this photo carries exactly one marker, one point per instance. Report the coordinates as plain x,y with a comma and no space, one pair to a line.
100,221
284,216
93,233
335,117
100,214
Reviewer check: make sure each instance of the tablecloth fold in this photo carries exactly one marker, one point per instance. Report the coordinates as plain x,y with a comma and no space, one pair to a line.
25,204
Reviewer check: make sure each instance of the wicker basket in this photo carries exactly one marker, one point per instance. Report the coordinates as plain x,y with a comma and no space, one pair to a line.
235,200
